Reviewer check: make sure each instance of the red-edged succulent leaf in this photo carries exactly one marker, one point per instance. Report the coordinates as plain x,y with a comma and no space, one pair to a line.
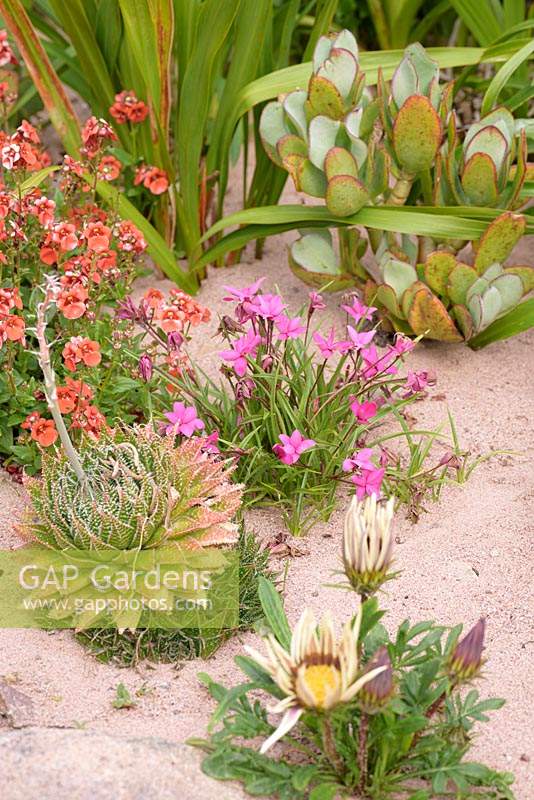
409,294
345,195
437,269
464,320
417,134
491,141
461,279
499,239
428,316
324,99
291,145
479,180
339,161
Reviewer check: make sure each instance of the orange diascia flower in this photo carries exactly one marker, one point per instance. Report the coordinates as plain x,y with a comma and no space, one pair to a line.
95,133
72,302
64,235
152,178
67,399
128,108
81,349
97,236
130,238
44,431
109,168
153,298
13,327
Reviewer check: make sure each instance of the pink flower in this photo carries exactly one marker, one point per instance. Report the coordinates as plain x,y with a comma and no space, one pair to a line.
267,306
244,346
210,443
363,411
360,338
292,447
183,420
361,460
246,293
418,381
289,328
359,311
10,155
368,481
329,346
402,345
375,363
316,302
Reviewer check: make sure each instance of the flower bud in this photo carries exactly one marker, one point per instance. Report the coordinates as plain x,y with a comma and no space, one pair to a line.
377,692
145,367
368,544
466,659
175,340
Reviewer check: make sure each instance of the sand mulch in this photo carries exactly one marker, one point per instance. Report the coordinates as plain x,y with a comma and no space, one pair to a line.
470,554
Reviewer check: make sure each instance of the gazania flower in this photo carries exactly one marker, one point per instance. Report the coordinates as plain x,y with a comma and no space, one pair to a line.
466,659
317,673
367,543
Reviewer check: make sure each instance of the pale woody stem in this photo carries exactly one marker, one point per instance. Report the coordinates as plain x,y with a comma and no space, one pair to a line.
51,389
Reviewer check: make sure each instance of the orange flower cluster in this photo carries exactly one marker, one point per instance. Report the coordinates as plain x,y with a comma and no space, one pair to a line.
178,311
12,327
109,168
128,108
74,398
81,349
95,134
7,56
152,178
22,150
42,430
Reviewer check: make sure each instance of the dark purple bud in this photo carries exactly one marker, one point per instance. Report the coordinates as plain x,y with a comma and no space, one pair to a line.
379,690
267,363
244,389
128,310
466,658
175,340
145,367
451,460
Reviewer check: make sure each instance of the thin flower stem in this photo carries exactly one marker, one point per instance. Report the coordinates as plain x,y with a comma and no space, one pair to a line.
330,747
50,383
363,753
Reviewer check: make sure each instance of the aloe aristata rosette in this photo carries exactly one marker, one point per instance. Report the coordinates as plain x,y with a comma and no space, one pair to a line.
141,491
317,673
368,543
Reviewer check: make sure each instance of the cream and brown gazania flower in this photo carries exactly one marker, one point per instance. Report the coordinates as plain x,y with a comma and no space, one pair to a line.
368,543
317,673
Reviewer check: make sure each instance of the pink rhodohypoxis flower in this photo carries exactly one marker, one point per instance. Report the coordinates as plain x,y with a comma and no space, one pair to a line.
183,419
292,447
359,311
360,339
267,306
361,459
236,295
244,346
368,481
374,363
418,381
210,443
363,411
289,328
402,345
329,346
316,302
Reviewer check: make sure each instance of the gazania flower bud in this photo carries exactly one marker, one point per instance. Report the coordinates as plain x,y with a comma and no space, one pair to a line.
380,689
368,544
466,659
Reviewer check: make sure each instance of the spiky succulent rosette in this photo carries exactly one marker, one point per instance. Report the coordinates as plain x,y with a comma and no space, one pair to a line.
142,491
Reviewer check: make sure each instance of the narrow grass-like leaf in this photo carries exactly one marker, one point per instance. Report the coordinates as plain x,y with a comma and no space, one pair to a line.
157,249
36,178
43,74
502,76
516,321
480,18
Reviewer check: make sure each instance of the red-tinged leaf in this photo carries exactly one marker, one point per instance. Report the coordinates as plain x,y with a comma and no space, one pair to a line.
417,133
38,64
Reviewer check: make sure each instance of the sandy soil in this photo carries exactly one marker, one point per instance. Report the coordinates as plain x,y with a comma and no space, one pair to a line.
471,554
